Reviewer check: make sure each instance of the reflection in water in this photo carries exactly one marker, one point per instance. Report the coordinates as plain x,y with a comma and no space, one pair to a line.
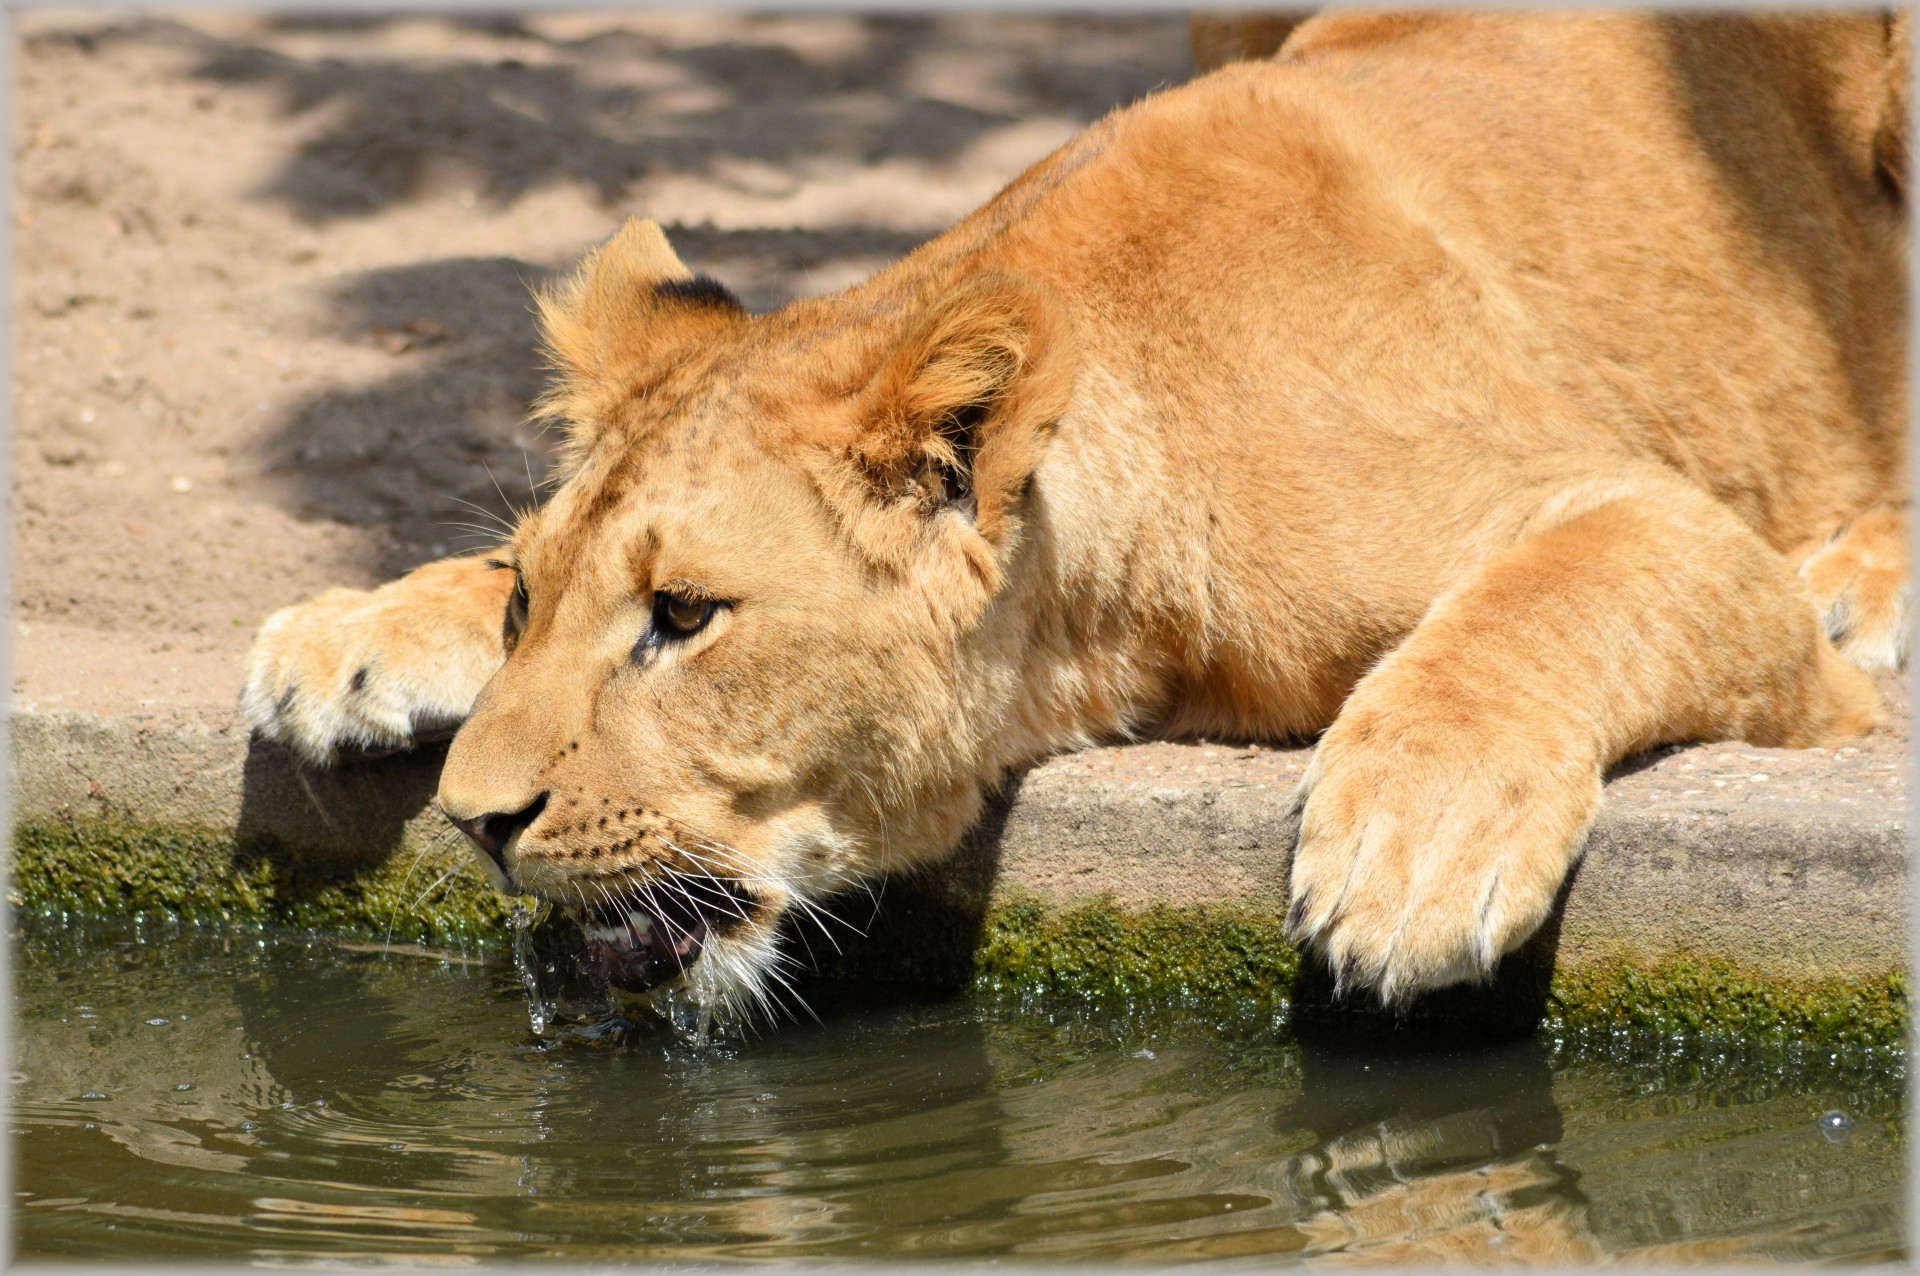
1438,1156
279,1099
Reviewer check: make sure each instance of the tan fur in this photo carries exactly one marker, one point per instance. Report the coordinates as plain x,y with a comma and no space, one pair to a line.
1483,390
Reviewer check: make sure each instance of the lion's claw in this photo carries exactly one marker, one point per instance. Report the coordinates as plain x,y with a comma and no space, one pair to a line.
1423,860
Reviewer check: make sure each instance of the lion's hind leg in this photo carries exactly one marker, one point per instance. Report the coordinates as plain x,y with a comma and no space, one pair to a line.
1862,586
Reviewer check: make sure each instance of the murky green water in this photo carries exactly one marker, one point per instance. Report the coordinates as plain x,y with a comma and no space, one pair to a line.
281,1099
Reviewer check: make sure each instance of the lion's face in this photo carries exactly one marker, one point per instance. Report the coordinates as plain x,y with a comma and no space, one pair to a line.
745,655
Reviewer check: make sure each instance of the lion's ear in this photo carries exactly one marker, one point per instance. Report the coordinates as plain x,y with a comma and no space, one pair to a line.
632,308
963,402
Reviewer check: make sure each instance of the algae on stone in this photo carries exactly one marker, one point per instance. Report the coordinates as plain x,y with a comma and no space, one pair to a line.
115,868
931,935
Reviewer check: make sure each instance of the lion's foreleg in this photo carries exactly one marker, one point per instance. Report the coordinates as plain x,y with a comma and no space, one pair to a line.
1445,805
380,669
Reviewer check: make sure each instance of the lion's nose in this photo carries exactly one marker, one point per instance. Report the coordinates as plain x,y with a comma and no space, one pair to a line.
493,831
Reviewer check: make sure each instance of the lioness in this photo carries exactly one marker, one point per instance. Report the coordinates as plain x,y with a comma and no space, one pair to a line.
1496,394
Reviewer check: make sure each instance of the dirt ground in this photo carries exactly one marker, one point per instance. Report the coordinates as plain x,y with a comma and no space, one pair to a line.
271,274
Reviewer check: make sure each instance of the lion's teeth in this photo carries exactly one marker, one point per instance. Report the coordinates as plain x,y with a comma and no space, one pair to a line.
634,929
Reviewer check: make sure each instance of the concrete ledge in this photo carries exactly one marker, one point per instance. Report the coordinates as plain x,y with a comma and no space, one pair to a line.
1724,886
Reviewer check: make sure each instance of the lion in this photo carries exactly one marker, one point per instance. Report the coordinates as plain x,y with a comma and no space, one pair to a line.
1489,397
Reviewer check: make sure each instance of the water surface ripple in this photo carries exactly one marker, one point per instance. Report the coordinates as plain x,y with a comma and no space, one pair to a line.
184,1094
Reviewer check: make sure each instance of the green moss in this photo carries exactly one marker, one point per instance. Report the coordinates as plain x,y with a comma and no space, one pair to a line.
1715,998
1197,952
1220,952
1213,953
113,868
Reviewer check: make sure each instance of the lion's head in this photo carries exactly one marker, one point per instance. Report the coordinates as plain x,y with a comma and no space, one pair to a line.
760,646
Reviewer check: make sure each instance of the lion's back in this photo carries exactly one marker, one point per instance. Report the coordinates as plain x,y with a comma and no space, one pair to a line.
1669,232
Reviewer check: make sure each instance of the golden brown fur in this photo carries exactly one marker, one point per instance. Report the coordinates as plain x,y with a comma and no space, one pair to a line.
1499,394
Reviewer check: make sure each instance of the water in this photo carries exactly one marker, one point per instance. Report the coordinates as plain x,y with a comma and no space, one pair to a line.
292,1100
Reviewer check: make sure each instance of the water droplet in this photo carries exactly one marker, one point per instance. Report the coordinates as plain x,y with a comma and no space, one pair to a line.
540,1010
1835,1126
183,1086
158,1023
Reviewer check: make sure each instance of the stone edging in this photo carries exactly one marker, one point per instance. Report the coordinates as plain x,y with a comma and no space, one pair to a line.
1723,885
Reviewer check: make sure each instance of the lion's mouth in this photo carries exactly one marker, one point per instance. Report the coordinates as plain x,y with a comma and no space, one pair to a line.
640,937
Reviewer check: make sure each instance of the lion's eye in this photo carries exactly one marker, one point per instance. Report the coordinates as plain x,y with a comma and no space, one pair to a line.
682,616
675,617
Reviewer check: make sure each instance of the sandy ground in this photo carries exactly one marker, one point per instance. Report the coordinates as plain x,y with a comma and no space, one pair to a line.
271,273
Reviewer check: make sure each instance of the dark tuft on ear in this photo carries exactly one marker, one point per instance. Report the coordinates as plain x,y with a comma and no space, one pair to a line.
629,314
701,290
955,417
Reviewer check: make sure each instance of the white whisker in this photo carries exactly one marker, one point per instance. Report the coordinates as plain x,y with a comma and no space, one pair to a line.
421,898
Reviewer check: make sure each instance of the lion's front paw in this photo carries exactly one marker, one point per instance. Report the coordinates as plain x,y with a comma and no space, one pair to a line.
376,670
1859,581
1427,852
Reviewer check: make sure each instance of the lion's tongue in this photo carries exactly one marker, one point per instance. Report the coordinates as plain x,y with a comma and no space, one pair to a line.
643,953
